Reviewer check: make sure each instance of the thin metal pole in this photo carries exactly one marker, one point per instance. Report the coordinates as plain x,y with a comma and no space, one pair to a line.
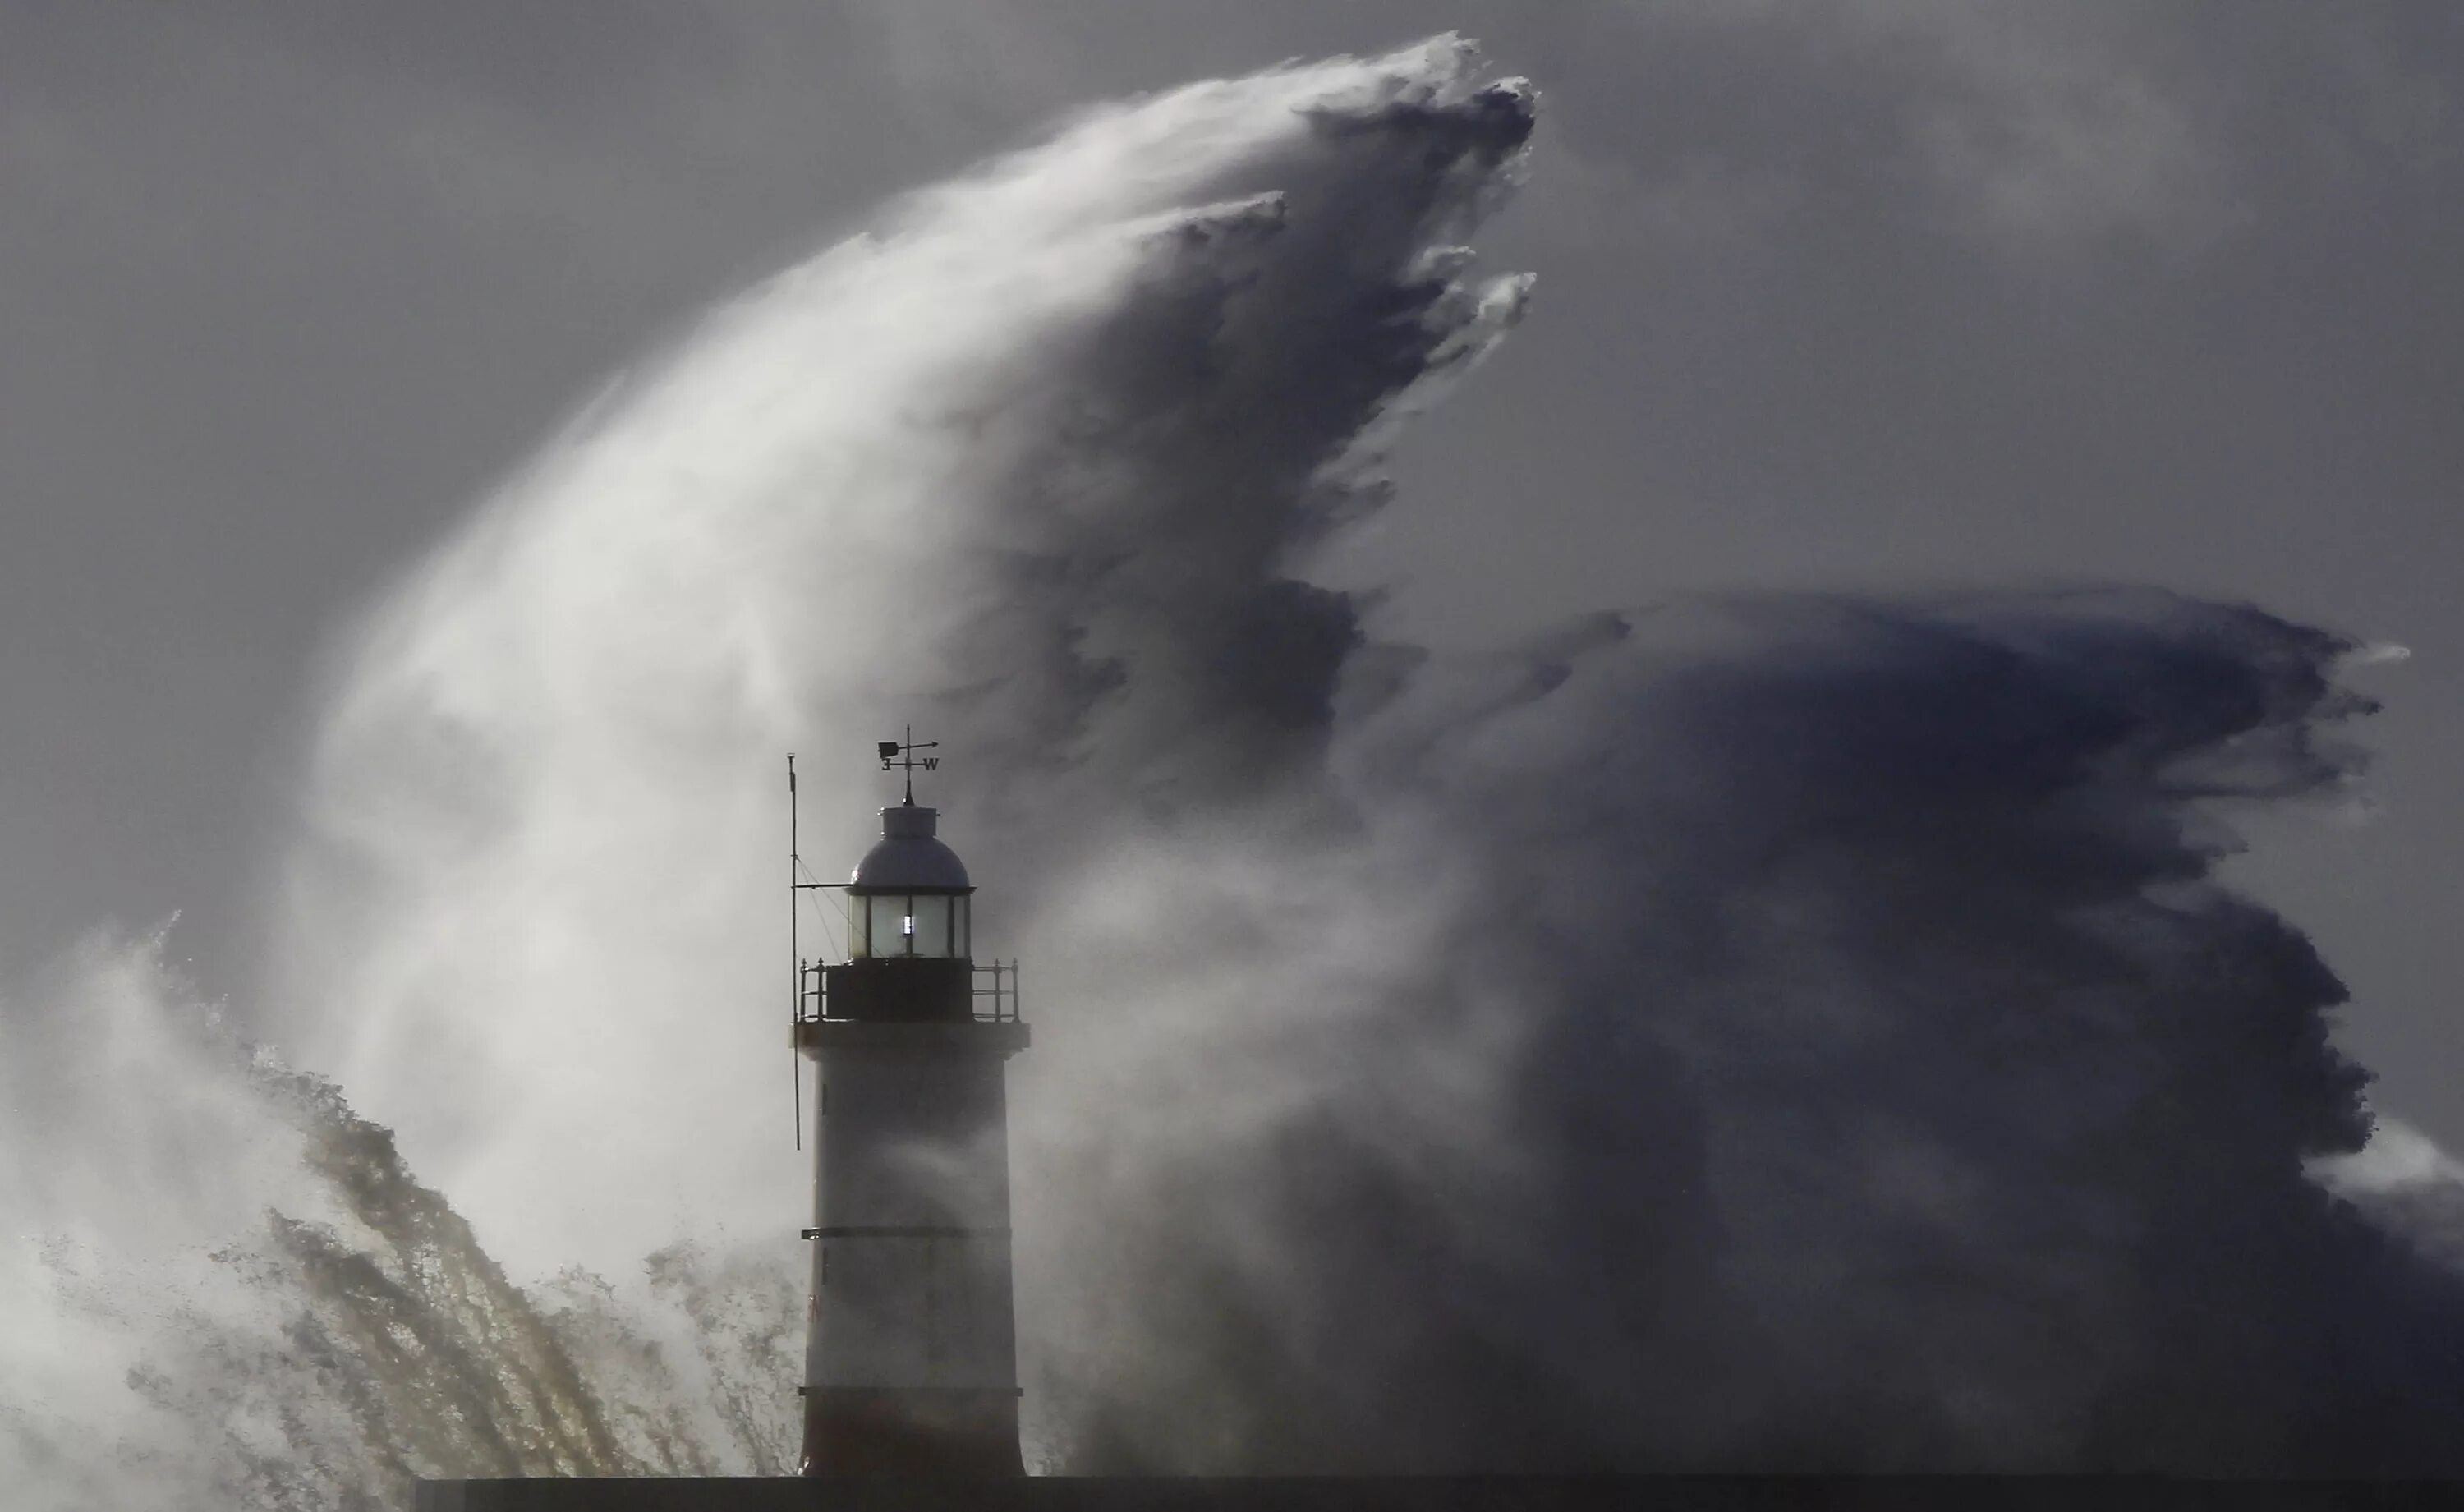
796,962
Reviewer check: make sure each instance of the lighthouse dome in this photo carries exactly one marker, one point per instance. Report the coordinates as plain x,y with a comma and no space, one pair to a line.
908,858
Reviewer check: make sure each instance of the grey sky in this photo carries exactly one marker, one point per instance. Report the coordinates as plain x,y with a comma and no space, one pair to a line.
1882,293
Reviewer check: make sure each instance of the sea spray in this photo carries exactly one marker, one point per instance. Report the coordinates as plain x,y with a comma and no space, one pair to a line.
1794,1032
959,471
354,1334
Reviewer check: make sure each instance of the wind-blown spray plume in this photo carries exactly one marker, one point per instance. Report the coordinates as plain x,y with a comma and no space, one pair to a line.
1768,1034
230,1292
1788,1034
979,467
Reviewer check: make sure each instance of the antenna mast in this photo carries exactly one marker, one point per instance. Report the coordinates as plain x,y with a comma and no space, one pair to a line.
795,952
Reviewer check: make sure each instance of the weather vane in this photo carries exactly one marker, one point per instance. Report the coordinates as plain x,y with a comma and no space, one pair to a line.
900,756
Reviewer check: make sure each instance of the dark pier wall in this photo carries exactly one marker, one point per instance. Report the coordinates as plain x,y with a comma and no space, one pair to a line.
1384,1494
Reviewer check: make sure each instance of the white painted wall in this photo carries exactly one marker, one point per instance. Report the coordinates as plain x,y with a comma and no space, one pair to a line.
912,1140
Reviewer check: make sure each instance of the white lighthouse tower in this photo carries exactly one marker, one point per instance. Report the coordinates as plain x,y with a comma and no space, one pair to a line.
910,1363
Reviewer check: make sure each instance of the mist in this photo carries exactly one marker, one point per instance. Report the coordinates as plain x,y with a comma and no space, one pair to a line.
1758,1033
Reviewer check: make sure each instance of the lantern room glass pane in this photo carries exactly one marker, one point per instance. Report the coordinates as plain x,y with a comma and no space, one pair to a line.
959,945
857,946
928,925
888,926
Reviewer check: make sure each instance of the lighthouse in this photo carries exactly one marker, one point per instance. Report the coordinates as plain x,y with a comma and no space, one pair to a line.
911,1360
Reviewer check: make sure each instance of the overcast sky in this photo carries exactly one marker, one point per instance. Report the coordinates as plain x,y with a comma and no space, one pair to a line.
1880,294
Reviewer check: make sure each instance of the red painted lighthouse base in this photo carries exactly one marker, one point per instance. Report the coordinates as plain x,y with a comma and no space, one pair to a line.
858,1431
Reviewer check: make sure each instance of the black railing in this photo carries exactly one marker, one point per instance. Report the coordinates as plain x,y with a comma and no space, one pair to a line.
997,1003
994,993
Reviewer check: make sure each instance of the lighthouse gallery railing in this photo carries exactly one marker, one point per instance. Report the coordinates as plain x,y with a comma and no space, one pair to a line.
995,993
